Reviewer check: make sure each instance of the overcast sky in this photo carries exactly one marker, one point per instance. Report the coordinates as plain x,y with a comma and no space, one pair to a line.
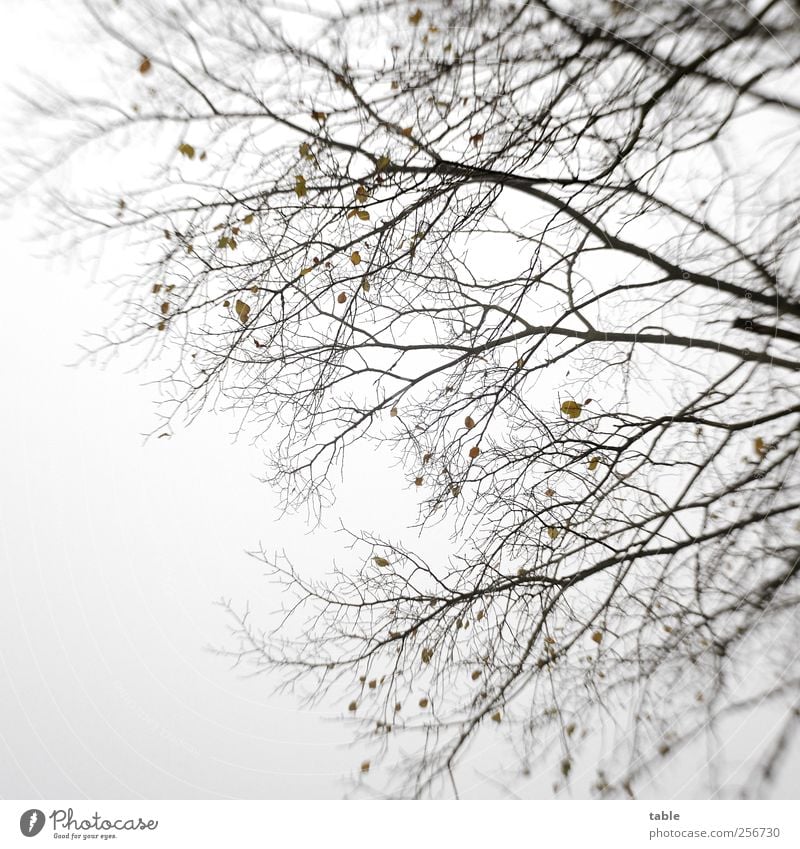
114,550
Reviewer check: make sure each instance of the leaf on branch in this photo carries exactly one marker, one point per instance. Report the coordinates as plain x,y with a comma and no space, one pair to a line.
393,412
475,675
427,654
156,288
248,219
406,131
373,684
242,310
365,285
165,308
423,703
355,257
361,194
552,533
415,17
365,766
426,458
353,706
572,409
320,117
417,481
185,149
597,636
383,162
342,297
304,271
760,446
305,152
593,463
380,561
145,65
476,139
496,716
300,186
469,423
474,452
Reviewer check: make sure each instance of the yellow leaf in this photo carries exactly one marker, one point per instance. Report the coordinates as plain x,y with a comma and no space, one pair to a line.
145,65
552,532
383,162
300,186
593,463
571,408
362,214
304,271
186,150
380,561
248,219
496,717
305,151
355,257
415,17
760,446
242,310
361,194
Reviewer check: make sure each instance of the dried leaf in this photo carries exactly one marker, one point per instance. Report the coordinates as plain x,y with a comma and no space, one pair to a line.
380,561
415,17
242,310
475,675
427,654
593,463
469,422
186,150
496,716
145,65
571,408
474,452
552,532
355,257
341,298
353,706
300,186
423,703
365,766
597,636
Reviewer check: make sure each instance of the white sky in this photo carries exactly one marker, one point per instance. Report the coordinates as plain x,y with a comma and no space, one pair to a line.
113,551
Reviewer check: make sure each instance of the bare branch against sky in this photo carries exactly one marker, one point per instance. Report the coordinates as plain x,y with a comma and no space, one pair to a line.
542,256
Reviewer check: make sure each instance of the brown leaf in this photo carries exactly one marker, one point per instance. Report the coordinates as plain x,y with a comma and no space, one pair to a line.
415,17
145,65
469,422
353,706
380,561
475,675
496,716
242,310
417,481
300,186
474,452
423,703
597,636
593,463
355,258
341,298
365,766
165,308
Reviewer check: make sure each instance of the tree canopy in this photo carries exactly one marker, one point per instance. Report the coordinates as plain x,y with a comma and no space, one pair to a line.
546,253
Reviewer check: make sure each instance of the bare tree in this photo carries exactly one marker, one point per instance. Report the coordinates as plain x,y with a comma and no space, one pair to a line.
546,252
